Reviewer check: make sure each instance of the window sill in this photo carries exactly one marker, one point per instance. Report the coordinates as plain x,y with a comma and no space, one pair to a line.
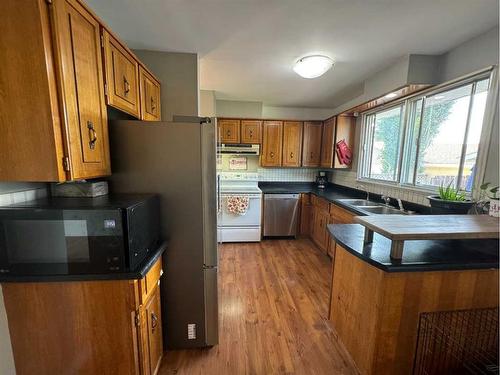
395,185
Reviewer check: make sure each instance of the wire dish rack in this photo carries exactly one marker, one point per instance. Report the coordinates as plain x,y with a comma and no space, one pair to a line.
457,342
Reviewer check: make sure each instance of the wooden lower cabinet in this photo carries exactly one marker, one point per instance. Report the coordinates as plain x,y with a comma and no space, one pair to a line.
321,218
375,314
86,327
306,211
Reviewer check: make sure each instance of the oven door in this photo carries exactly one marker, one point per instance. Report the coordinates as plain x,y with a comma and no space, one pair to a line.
251,217
60,242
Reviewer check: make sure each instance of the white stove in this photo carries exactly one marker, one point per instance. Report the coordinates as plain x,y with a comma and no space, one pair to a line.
244,227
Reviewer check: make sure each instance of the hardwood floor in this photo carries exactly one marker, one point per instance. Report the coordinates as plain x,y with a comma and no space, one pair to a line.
273,306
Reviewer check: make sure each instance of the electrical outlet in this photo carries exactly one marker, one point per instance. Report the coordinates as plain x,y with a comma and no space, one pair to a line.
191,331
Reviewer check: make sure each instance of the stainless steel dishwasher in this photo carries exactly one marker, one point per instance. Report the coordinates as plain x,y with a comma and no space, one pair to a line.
280,214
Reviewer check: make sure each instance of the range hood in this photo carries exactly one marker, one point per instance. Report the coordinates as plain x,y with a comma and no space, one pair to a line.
240,149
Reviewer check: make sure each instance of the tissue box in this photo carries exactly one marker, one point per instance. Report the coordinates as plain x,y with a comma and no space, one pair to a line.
88,189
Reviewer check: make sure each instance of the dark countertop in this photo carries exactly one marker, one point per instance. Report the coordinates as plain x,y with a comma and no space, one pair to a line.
333,193
137,274
429,255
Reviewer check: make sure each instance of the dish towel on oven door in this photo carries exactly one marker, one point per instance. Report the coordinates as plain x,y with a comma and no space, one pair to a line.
237,204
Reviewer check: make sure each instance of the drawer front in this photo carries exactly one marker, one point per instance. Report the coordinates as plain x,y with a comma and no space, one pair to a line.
340,215
152,278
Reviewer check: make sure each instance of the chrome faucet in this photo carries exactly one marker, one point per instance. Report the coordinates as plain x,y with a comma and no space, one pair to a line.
364,188
400,204
386,199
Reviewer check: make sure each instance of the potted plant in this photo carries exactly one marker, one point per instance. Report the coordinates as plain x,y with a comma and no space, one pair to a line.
450,201
488,200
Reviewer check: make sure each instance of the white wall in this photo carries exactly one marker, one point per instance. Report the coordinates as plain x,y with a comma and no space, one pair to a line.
178,74
237,108
296,113
207,103
6,359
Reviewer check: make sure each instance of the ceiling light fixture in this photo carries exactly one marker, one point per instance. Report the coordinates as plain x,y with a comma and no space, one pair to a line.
391,95
313,66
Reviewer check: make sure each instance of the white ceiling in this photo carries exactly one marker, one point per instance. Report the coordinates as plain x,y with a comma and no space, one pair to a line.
247,47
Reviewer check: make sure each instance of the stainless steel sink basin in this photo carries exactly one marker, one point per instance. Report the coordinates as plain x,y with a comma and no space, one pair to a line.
359,202
382,210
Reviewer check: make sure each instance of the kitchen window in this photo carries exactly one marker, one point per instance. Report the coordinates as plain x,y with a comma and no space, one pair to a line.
428,140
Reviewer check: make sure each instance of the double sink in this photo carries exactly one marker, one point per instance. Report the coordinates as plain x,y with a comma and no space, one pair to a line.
372,208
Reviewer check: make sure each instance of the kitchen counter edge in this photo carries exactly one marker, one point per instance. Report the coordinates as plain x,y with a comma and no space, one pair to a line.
419,256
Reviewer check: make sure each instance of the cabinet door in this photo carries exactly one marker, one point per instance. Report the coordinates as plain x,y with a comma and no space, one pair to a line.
272,143
152,311
328,143
292,143
78,38
229,130
306,215
122,77
311,151
345,131
251,131
149,89
319,232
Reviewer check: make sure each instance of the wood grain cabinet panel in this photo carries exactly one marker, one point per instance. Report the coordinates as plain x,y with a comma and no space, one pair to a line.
229,130
311,150
82,81
345,129
54,119
376,314
122,77
292,143
251,131
336,129
328,143
84,327
272,143
149,89
306,215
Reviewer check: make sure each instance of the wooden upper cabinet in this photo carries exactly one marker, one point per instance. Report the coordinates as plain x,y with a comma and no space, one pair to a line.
328,143
311,151
54,119
345,130
78,34
272,139
149,89
229,130
292,143
122,77
251,131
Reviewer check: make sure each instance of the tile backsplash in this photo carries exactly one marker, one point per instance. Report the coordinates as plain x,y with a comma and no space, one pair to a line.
348,178
287,174
22,196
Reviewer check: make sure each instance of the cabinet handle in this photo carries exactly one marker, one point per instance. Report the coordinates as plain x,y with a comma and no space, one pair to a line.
291,155
153,106
126,85
251,133
271,154
154,321
92,135
228,133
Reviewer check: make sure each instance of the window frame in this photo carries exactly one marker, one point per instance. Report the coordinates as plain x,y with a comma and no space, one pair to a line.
483,149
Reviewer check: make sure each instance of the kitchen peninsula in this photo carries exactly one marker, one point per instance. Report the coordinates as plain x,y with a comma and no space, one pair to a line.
376,301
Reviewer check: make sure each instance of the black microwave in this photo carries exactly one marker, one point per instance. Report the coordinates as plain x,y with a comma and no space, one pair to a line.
66,236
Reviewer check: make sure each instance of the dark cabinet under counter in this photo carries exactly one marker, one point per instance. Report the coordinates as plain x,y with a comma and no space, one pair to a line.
89,326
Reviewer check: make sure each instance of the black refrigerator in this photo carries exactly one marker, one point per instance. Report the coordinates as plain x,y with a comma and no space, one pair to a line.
177,160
